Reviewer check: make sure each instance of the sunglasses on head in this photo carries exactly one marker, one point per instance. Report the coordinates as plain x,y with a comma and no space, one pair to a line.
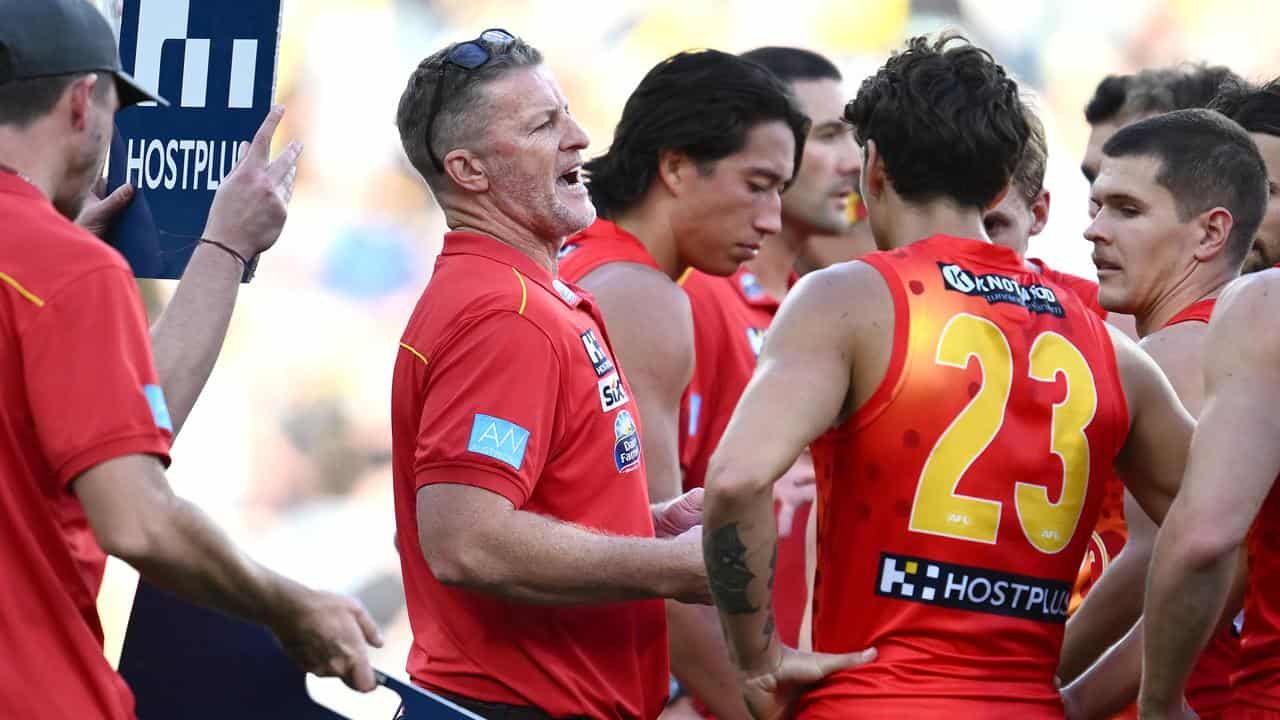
468,55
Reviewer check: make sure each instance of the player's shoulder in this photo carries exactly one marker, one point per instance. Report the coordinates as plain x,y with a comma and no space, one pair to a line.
636,289
848,295
52,258
1245,319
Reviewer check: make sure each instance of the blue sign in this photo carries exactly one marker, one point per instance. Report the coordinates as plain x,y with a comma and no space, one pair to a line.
214,61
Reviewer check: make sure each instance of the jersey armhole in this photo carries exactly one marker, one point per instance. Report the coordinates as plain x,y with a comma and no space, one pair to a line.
889,386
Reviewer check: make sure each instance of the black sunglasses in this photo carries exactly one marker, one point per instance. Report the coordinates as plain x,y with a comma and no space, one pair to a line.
468,55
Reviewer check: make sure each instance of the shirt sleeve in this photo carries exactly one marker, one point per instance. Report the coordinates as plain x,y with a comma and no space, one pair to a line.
90,379
489,410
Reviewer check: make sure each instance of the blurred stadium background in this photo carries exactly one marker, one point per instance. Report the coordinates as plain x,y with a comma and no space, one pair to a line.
289,447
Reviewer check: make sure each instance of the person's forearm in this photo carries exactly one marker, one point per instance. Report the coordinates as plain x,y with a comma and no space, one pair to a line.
740,544
1113,605
1111,684
188,335
191,557
1186,596
537,560
700,660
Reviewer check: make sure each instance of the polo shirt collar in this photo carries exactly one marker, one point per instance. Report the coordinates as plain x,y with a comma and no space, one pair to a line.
461,242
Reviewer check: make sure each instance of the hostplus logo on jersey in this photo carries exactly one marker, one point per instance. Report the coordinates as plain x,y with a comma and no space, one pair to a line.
962,587
996,288
595,353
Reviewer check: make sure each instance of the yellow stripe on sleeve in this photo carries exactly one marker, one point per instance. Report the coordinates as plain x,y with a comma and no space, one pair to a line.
21,290
524,290
416,354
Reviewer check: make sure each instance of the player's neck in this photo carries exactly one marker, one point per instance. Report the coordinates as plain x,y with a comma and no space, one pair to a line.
912,222
776,260
649,223
1199,284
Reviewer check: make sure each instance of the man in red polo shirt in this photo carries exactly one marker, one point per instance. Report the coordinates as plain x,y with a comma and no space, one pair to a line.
86,429
519,462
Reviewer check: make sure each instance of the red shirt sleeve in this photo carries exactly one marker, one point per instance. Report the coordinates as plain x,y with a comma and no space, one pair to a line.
489,410
90,380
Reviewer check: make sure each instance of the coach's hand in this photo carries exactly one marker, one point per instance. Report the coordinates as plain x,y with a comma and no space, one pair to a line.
251,203
677,515
771,696
99,211
326,634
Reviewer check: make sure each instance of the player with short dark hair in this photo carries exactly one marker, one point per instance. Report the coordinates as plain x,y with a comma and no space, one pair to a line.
1257,110
963,415
1179,200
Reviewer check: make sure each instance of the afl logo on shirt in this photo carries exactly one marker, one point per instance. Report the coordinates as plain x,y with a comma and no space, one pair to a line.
612,394
755,337
595,353
626,442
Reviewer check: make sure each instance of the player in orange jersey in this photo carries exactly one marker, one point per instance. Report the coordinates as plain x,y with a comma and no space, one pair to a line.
1179,197
693,178
966,408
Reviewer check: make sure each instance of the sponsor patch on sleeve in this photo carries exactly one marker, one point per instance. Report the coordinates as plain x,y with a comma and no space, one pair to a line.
159,409
501,440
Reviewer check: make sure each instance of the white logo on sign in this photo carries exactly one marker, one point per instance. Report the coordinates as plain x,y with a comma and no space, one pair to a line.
612,393
163,20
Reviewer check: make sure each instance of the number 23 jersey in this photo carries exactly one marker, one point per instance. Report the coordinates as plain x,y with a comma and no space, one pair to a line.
955,506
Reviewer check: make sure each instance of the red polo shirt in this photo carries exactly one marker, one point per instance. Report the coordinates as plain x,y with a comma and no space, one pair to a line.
506,381
77,388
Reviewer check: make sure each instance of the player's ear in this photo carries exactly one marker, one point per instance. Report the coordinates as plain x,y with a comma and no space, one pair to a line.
467,170
873,169
1215,226
1040,212
79,100
674,167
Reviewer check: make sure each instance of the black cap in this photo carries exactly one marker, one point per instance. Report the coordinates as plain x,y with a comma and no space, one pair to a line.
43,38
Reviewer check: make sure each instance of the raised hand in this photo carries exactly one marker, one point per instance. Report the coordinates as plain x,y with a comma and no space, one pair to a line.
251,204
99,211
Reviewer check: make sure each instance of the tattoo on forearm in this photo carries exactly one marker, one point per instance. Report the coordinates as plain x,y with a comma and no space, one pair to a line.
768,618
727,570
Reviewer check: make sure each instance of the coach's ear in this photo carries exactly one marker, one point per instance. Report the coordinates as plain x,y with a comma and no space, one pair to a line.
1215,225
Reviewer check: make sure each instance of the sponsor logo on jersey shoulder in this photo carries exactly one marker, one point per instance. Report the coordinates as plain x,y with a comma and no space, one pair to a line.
626,442
499,439
595,353
751,286
755,338
612,393
975,589
566,293
996,288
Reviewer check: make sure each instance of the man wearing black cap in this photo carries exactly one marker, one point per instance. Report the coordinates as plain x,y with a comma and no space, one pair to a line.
84,426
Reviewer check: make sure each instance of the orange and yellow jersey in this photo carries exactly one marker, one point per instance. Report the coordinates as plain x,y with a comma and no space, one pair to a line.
955,505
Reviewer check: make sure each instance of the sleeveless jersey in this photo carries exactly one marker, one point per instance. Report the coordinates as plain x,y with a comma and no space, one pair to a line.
954,507
1209,686
1112,531
601,243
1256,682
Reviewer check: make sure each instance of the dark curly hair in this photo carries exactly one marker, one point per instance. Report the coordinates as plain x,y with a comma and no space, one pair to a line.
702,103
946,120
1255,107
